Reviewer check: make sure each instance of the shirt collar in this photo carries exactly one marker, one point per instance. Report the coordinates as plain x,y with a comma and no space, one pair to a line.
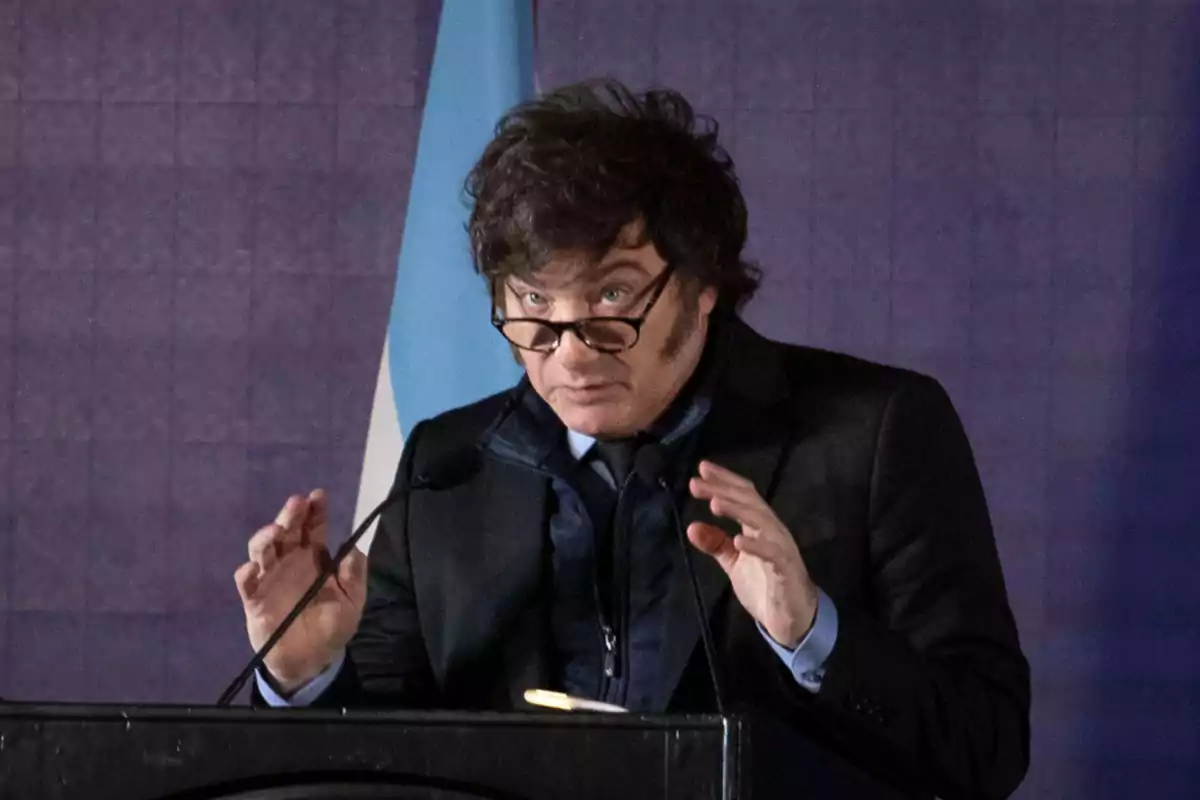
532,434
579,443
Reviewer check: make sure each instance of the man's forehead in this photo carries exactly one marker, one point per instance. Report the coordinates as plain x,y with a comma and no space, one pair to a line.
569,270
632,250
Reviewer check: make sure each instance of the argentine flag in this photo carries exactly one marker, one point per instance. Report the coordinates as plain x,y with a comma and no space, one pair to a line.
441,350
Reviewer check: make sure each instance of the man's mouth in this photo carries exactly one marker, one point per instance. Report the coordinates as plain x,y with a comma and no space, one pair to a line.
589,391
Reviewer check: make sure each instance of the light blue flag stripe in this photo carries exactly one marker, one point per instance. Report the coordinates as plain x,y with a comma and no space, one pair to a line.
443,352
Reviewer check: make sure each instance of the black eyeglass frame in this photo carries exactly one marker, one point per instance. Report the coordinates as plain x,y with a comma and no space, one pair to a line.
577,326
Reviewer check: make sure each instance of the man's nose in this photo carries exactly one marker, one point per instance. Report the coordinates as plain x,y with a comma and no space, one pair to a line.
572,352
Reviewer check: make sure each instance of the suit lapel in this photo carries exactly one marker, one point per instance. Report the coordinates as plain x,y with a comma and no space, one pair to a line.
485,562
745,432
482,599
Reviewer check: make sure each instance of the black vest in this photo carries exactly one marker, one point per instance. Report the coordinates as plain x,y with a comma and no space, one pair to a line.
606,614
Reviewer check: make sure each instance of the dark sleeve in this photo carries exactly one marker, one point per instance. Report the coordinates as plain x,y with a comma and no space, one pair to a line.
933,680
387,665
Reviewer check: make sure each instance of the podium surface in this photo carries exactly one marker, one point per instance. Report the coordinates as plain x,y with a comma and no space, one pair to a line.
154,753
72,752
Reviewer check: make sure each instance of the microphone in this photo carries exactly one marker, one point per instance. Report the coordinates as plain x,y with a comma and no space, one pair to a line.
650,464
445,472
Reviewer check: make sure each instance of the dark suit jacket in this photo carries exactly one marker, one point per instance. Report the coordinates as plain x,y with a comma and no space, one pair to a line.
869,468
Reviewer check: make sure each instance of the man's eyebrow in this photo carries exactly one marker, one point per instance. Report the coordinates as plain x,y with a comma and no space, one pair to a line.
601,270
531,281
593,273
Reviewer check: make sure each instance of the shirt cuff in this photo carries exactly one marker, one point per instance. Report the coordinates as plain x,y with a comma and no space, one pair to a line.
807,661
307,694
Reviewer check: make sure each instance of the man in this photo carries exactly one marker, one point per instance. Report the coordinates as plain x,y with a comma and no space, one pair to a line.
848,560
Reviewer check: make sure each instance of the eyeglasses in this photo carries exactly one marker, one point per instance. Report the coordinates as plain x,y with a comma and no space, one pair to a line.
604,334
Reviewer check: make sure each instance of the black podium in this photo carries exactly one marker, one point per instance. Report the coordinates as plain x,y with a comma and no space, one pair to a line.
169,753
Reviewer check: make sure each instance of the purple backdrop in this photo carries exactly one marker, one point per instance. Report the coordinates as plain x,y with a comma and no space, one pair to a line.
201,203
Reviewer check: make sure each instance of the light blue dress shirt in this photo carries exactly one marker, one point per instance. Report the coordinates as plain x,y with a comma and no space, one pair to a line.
806,662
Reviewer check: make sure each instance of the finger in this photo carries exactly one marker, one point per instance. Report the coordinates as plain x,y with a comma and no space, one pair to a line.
712,471
706,490
352,572
747,506
763,549
245,578
712,541
703,489
263,548
313,530
753,513
753,519
741,491
354,566
291,518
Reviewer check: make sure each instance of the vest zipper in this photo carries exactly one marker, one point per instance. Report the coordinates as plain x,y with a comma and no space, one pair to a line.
616,626
611,669
610,651
611,615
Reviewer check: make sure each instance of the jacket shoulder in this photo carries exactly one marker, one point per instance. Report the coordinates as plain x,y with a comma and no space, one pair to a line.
460,427
823,384
809,369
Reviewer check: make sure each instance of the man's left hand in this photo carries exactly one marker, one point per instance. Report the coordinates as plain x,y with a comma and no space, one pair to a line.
763,562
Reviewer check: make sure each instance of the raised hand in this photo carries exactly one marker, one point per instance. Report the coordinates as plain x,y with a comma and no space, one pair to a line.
284,559
763,562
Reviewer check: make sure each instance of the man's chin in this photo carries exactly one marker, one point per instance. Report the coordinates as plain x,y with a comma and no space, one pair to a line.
598,421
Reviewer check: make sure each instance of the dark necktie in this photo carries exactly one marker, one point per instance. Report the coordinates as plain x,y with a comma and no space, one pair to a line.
617,455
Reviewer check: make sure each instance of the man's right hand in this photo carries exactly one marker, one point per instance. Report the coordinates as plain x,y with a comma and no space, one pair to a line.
285,558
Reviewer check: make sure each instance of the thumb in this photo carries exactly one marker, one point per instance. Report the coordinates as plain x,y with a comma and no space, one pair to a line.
246,579
352,571
712,541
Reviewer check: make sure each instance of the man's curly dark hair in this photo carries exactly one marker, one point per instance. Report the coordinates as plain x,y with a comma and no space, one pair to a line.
567,171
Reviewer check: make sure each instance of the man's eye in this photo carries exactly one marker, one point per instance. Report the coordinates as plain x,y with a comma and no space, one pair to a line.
613,294
533,299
